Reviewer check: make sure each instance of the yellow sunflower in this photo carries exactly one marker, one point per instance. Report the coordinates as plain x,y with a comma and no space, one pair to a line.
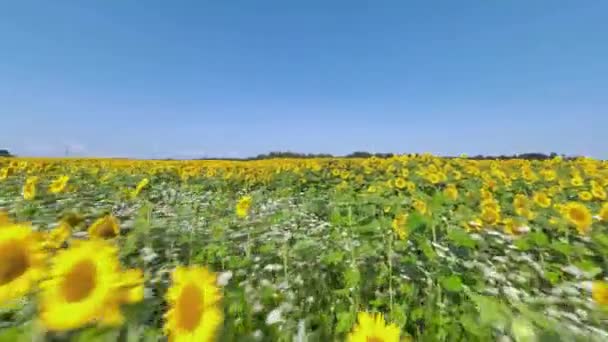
195,313
399,226
21,262
243,206
598,192
58,235
542,199
140,186
4,218
420,206
585,196
604,212
599,292
59,184
373,328
105,228
87,286
400,183
490,215
451,192
29,188
579,215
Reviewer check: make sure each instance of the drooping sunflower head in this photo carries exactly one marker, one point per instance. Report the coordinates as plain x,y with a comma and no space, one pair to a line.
84,287
373,328
195,313
21,261
105,228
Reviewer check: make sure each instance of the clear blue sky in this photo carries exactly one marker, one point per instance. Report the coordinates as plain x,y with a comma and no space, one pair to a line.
237,78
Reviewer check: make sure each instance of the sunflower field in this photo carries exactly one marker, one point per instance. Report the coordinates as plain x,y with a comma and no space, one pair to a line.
408,248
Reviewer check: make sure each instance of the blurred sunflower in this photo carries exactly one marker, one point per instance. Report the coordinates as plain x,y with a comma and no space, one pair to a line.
604,212
420,206
243,205
399,226
57,236
599,292
542,199
373,328
22,262
194,313
59,184
86,286
140,186
104,228
585,196
4,218
578,215
451,192
490,215
400,183
598,192
29,188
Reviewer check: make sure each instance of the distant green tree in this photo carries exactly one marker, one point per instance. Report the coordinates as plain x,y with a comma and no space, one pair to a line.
5,153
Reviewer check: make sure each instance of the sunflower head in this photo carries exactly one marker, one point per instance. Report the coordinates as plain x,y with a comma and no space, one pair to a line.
578,215
400,183
195,313
599,292
373,328
4,218
105,228
399,226
542,199
604,212
59,184
21,261
29,189
57,236
89,284
243,206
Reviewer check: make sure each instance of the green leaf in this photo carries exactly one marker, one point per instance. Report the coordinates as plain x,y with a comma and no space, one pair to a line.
461,238
346,320
539,239
426,248
452,283
522,330
491,311
522,244
561,247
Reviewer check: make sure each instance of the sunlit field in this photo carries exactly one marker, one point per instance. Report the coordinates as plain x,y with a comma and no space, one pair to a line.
409,248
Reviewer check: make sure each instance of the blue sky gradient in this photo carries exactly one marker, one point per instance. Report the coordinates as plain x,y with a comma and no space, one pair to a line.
237,78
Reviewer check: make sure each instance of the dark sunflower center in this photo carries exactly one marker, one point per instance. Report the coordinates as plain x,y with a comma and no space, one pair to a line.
13,262
107,230
577,214
374,339
80,281
189,308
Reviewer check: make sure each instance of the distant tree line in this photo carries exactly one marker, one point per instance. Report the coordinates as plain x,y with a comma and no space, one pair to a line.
363,154
5,153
